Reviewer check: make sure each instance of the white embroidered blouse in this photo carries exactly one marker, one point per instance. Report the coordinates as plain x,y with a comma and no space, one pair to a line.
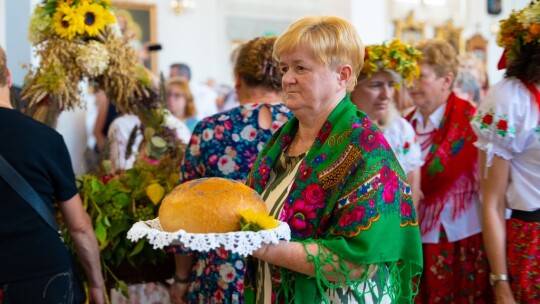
507,125
402,139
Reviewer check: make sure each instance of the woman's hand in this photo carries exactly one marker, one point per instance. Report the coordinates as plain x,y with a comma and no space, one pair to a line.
95,295
503,293
178,293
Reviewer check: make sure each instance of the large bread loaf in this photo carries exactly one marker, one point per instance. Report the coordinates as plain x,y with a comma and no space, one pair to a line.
208,205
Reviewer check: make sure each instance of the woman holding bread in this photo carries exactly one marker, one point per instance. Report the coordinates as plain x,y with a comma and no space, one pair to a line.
226,145
330,174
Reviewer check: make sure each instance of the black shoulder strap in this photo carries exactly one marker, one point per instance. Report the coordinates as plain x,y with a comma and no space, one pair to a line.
25,190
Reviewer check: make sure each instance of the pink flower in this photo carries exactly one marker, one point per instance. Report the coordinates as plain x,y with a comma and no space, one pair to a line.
386,174
390,184
228,125
218,132
222,253
354,216
314,194
213,159
366,123
264,171
305,173
406,209
299,215
369,140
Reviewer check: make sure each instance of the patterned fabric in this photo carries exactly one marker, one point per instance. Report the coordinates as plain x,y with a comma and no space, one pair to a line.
523,250
455,272
450,166
225,145
348,194
507,123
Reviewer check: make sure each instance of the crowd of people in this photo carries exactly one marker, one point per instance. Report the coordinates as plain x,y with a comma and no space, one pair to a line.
402,176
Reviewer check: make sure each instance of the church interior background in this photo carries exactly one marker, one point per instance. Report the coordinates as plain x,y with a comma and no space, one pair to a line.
203,33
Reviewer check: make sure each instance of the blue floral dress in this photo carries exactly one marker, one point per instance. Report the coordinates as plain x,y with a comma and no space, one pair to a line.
225,145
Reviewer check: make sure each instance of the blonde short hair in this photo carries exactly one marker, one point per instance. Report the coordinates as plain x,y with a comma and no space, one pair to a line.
332,40
441,55
183,85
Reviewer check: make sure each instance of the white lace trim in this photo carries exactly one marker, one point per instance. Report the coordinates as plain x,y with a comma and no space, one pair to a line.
240,242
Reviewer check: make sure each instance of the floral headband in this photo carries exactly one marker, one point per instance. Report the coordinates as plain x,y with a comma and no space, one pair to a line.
520,28
397,56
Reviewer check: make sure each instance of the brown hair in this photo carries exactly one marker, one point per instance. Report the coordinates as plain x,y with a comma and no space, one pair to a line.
332,40
3,68
526,65
183,85
441,55
256,66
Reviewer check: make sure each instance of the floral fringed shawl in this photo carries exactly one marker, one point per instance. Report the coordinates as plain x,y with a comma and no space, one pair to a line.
349,196
450,168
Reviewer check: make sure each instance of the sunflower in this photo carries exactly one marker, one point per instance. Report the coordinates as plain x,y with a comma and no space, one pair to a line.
256,221
66,2
95,17
66,22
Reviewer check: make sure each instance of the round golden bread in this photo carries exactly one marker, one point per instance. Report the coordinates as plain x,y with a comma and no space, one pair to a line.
208,205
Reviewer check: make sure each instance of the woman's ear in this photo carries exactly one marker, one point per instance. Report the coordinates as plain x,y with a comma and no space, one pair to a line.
8,78
344,75
237,82
449,80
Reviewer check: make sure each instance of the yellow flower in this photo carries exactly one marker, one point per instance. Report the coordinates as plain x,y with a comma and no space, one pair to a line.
95,17
65,2
400,57
155,192
520,28
67,23
256,221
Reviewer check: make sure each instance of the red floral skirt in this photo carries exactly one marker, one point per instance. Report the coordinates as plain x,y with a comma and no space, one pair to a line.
455,272
523,250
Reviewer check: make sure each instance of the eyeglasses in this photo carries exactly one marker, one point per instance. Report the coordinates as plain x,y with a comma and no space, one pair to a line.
175,95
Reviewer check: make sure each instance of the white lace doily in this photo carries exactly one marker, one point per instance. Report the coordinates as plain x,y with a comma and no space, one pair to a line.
241,242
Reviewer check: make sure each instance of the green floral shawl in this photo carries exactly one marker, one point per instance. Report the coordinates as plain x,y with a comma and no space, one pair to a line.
351,197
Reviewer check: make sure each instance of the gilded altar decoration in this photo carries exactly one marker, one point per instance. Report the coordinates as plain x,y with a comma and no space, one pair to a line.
77,40
453,34
409,30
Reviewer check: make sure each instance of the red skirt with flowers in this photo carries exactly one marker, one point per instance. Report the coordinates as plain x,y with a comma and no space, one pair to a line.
455,272
523,255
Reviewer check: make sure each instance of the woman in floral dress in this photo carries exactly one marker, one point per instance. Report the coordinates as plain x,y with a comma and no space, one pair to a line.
508,127
387,66
226,145
455,263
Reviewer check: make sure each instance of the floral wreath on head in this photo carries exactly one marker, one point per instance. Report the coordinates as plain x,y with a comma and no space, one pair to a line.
397,56
520,28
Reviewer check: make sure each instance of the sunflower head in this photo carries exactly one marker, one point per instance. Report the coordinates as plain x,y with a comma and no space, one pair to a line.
94,17
256,221
66,22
